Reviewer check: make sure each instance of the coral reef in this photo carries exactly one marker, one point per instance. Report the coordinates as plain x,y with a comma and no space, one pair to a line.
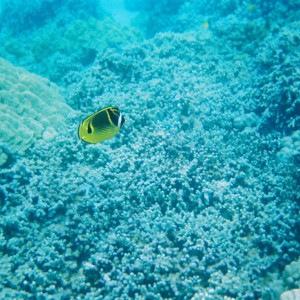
196,198
17,17
241,22
64,43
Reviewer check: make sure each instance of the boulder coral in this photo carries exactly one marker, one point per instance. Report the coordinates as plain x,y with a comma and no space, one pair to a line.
31,108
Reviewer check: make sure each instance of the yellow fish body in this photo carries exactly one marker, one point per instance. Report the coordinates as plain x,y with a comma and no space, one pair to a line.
101,126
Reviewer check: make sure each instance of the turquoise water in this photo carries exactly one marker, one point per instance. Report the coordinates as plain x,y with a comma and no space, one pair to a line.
197,196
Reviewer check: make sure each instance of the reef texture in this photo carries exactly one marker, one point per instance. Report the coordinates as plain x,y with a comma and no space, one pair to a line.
59,45
31,108
196,198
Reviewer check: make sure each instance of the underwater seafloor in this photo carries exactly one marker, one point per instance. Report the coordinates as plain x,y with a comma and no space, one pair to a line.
198,195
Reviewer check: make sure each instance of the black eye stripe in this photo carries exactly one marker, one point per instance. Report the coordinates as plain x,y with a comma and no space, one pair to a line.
89,128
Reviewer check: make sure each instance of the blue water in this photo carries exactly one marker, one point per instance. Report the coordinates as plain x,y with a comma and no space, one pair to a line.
197,196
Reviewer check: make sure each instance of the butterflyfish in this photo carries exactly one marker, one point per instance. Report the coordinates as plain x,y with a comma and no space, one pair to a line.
101,126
